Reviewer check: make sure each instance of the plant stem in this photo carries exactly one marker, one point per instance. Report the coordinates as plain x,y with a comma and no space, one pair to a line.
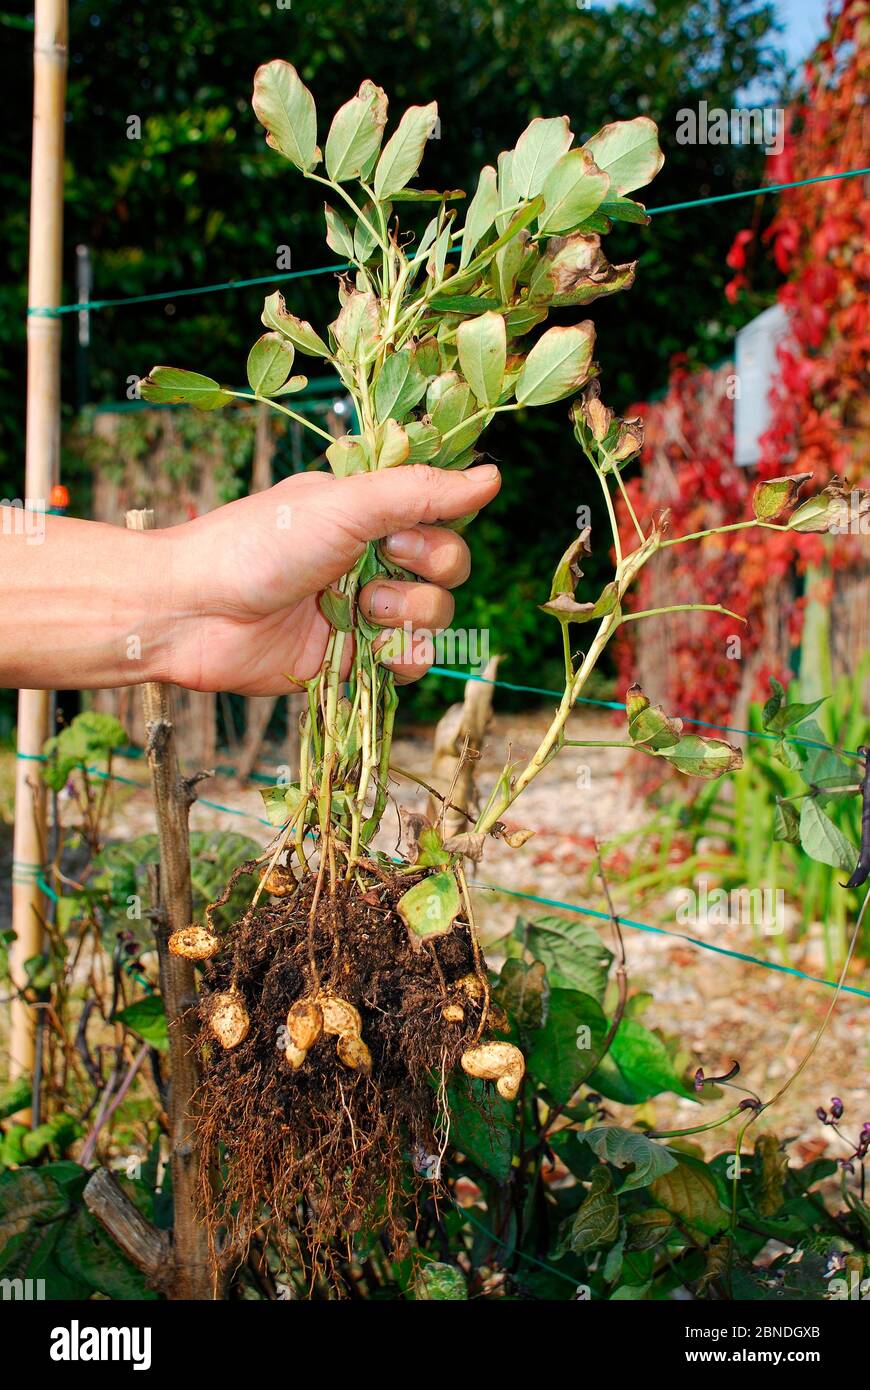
300,419
682,608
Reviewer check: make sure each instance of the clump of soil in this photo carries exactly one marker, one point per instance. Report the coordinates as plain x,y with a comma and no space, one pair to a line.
321,1152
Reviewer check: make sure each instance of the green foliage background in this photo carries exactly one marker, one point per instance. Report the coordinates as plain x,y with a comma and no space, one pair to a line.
199,199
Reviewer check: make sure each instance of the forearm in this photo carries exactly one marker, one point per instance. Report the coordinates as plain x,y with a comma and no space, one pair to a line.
85,605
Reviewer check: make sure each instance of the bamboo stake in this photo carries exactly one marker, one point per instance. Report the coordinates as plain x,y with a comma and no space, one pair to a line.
173,796
41,471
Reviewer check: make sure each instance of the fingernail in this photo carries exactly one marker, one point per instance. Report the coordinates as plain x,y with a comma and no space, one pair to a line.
384,602
405,545
483,473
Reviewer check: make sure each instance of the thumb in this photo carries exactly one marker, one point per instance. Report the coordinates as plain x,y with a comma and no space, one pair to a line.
371,506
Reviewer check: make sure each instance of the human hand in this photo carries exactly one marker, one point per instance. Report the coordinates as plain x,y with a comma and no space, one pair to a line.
245,578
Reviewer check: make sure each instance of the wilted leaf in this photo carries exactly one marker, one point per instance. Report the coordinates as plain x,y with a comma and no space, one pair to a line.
647,1228
395,445
355,134
628,151
300,333
557,365
775,495
703,757
356,328
431,907
284,105
689,1192
347,455
833,509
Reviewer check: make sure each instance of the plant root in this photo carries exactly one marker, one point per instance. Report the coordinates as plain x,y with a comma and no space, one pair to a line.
339,1075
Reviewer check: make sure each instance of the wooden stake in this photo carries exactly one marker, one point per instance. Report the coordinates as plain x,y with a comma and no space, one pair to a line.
173,797
41,471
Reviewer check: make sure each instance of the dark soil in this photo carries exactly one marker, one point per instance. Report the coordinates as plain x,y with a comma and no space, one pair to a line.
321,1153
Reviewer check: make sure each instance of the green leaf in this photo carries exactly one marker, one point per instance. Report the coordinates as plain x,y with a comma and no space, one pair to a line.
338,234
14,1096
337,609
645,1062
689,1192
480,214
573,189
624,210
431,907
452,406
647,1228
399,387
85,1253
401,156
572,951
482,346
462,304
29,1197
597,1220
280,807
284,105
424,441
465,279
482,1125
541,145
441,1281
778,715
174,386
524,992
269,363
626,1148
567,1047
628,151
557,365
147,1018
355,134
300,333
365,236
89,738
786,823
823,840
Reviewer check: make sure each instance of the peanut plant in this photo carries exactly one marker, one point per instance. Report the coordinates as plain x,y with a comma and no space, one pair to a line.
435,336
